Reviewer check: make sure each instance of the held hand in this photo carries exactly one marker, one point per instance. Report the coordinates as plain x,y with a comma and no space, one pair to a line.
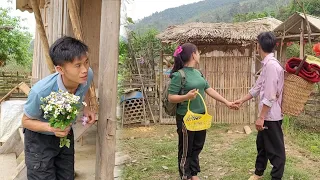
259,124
238,102
90,115
232,105
59,132
192,94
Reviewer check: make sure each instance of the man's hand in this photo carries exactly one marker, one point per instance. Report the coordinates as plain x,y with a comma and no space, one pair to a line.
238,102
259,124
59,132
89,114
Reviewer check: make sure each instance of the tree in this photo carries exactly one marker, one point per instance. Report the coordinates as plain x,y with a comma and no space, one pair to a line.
311,7
15,41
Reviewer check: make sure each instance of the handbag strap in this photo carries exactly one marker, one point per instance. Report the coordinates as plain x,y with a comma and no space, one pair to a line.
205,106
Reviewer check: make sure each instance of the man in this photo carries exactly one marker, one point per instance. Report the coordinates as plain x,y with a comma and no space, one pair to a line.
269,87
44,158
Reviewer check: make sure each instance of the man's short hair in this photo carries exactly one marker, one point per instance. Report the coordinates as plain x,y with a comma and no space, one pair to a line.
66,49
267,41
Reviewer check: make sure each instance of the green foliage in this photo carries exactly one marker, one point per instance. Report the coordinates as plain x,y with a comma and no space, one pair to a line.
252,15
294,50
301,136
15,42
144,44
310,6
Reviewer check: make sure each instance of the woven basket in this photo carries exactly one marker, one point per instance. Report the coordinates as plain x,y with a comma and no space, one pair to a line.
296,92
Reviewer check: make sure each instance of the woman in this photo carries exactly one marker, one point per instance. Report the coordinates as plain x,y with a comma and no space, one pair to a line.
186,57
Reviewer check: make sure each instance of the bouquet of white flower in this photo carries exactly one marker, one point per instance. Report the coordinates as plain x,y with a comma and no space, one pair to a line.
61,108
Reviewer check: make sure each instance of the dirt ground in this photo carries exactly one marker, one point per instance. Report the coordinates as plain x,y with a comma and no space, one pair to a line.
85,156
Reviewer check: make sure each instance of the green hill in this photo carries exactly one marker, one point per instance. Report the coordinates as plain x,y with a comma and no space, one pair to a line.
207,11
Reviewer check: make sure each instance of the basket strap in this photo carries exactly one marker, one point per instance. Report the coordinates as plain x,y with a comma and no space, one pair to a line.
205,106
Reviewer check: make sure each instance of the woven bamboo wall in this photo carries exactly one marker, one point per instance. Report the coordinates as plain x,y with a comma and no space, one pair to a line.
230,71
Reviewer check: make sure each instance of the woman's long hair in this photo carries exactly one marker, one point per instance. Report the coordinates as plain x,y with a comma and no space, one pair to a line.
182,55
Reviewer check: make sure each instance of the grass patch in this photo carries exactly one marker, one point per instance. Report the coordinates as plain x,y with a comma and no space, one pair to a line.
242,157
309,141
225,156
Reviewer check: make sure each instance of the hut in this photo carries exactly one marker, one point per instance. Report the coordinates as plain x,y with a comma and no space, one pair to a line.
228,61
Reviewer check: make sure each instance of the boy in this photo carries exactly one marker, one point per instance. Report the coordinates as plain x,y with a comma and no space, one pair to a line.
269,86
44,158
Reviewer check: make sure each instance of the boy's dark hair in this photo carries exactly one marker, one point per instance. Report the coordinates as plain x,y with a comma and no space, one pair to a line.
183,57
66,49
267,41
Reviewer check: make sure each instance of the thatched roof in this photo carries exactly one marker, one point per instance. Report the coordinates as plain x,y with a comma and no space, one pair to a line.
218,33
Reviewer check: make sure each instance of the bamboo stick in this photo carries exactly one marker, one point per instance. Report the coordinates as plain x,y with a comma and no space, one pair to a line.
161,84
301,40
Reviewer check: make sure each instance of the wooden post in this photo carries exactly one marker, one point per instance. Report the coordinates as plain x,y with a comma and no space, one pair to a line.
253,104
161,83
42,33
78,33
108,72
301,40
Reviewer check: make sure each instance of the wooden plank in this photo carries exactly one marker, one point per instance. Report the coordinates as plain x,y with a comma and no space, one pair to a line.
8,165
80,130
24,88
21,173
13,144
77,31
108,72
42,33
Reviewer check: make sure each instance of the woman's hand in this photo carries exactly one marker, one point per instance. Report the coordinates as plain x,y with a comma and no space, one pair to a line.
192,94
232,105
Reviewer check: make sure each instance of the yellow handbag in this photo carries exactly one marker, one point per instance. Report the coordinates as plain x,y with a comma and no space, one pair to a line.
197,122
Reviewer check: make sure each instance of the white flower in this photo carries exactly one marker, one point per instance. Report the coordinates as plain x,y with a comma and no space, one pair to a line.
85,104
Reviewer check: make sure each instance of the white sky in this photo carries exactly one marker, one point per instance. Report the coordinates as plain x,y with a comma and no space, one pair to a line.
29,20
136,9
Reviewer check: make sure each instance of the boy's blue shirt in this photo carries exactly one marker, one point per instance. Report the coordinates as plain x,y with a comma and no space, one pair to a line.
44,87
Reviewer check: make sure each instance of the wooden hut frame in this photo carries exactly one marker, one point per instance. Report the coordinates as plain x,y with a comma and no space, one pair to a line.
96,23
295,29
228,61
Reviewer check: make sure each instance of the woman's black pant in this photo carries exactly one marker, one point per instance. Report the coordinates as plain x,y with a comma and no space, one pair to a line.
189,147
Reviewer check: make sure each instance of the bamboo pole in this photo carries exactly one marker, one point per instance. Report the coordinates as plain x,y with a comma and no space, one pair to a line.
142,83
298,35
161,84
78,33
108,80
301,40
308,24
42,33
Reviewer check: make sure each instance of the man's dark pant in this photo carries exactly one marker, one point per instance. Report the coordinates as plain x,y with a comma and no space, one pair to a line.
190,145
270,146
45,160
